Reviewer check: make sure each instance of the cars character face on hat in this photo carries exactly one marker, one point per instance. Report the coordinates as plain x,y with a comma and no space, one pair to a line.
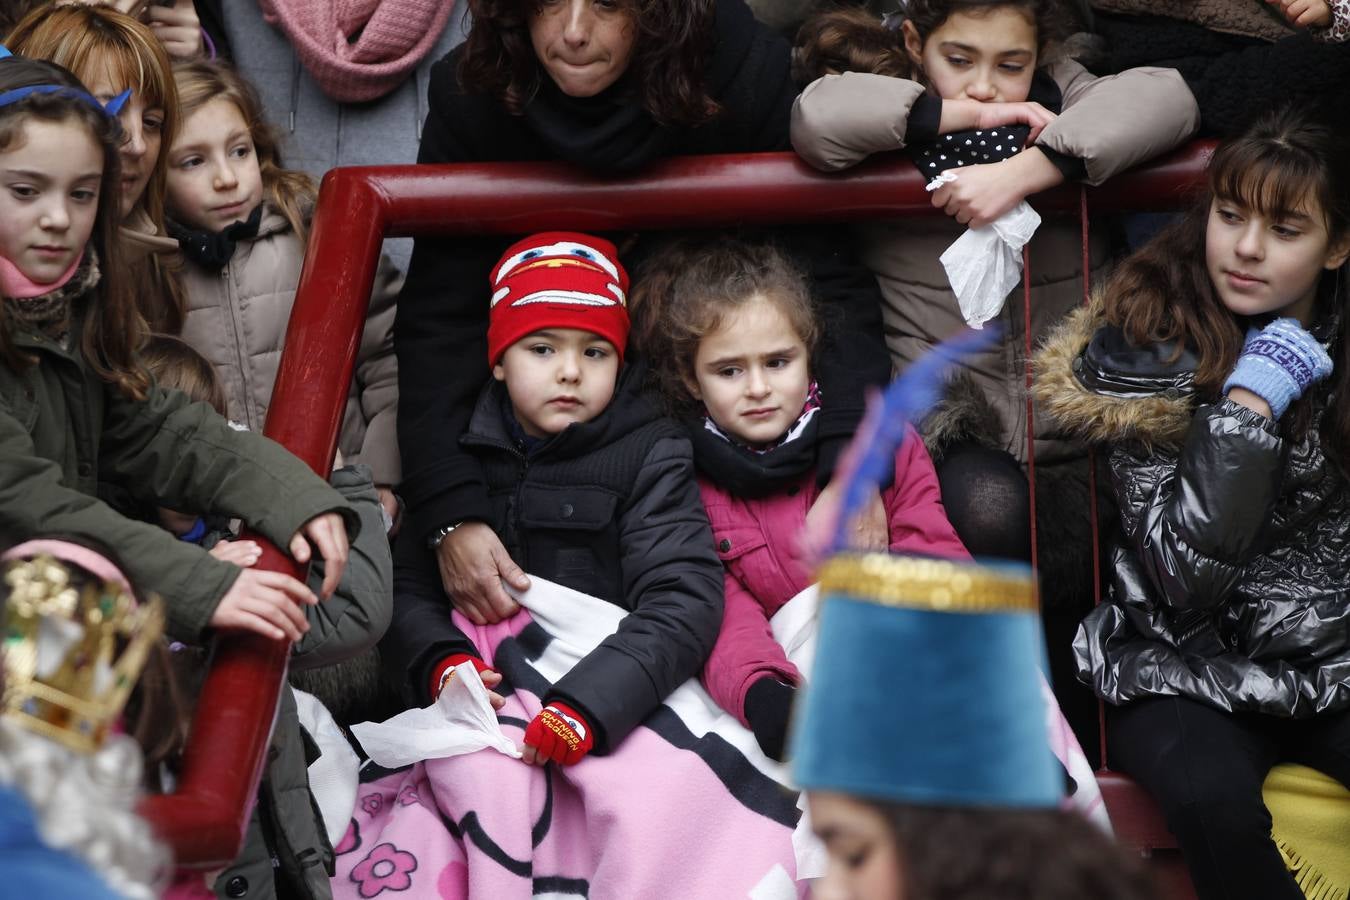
558,279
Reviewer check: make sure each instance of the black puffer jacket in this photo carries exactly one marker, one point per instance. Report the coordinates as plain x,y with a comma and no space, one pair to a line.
609,507
1231,578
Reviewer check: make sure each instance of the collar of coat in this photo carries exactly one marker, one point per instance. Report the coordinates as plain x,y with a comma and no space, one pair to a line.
1099,387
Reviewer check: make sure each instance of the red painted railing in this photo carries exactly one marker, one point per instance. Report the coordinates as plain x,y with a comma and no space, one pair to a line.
358,207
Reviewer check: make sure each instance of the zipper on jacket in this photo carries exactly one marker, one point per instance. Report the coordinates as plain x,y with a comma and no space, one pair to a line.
240,351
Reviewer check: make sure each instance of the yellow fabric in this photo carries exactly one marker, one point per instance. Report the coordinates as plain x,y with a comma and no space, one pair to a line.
1312,829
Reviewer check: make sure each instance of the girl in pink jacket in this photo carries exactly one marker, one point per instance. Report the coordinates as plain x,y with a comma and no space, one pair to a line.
733,327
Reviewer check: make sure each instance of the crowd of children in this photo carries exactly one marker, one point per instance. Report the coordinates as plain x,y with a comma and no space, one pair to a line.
151,242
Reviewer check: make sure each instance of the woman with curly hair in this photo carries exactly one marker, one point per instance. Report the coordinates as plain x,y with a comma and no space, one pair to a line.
610,85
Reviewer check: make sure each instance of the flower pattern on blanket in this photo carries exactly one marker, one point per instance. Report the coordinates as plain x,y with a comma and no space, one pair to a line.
387,868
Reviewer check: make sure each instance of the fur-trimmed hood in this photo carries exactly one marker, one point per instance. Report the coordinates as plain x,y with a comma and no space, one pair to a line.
1099,387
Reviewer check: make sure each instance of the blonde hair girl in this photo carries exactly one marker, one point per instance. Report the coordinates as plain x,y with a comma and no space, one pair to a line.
241,218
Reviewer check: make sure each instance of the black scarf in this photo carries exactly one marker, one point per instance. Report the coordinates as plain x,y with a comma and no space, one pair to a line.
743,472
213,249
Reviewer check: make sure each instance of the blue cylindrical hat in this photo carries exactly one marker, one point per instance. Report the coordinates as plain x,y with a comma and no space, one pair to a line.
927,686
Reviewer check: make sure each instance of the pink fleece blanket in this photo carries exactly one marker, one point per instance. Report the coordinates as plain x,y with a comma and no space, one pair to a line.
679,809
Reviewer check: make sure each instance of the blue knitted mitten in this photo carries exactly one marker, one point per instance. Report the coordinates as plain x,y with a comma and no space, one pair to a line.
1279,363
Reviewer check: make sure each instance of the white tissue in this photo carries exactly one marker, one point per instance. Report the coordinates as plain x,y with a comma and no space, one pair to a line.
985,264
460,721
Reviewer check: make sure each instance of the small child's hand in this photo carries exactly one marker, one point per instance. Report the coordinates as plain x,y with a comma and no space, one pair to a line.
328,534
242,553
980,194
1305,13
490,677
558,734
968,115
177,27
268,603
1029,113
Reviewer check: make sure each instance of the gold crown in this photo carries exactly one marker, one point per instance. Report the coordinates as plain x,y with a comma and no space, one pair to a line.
64,675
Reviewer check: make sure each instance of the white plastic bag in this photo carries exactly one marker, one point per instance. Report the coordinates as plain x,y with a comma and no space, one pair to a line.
460,721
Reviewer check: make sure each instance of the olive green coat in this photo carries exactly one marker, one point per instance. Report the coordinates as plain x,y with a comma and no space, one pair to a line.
63,431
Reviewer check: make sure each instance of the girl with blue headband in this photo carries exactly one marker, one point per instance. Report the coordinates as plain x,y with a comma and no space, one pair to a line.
78,412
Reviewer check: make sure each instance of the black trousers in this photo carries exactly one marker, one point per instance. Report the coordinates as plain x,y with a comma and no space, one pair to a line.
1205,768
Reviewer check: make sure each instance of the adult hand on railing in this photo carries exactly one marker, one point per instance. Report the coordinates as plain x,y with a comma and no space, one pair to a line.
473,563
329,536
980,194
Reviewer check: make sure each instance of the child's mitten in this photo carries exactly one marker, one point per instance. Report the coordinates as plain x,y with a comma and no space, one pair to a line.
1279,363
560,733
445,670
768,704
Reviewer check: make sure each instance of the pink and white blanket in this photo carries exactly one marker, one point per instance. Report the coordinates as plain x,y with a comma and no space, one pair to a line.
686,806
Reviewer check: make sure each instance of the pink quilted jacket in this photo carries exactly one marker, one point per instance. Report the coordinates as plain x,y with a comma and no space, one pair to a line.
757,541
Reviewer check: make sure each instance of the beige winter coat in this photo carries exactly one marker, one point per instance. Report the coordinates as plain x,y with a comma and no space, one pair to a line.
237,319
1109,123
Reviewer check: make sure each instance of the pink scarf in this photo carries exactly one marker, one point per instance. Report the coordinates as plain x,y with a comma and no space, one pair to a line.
394,35
18,286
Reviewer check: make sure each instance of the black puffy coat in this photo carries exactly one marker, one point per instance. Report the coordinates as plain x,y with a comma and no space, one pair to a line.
609,507
1231,577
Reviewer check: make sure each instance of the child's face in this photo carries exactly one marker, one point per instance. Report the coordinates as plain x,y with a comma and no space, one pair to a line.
864,864
753,373
584,46
50,197
142,132
989,56
1262,263
558,377
214,179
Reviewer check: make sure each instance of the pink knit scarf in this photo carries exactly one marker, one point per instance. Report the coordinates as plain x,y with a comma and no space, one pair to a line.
391,37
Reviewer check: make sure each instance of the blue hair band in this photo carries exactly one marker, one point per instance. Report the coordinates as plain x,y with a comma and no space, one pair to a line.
111,108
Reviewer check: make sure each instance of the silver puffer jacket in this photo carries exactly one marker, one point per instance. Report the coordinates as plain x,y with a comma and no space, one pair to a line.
1231,576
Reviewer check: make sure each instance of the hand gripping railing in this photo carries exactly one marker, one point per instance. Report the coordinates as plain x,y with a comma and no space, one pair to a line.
205,818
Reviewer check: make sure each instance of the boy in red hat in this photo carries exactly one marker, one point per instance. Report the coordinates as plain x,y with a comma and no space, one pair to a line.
590,487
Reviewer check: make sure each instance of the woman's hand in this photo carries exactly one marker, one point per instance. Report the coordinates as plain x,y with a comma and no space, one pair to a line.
243,554
329,536
177,27
980,194
267,603
472,562
968,115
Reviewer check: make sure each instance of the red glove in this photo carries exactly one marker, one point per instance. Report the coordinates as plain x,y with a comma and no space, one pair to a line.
440,676
560,733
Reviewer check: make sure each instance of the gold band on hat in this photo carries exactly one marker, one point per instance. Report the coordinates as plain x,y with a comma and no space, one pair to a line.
938,585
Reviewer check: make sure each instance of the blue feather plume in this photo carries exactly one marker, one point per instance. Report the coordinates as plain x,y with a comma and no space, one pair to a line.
879,437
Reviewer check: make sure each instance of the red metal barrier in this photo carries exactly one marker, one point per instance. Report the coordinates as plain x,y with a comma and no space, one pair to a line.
358,207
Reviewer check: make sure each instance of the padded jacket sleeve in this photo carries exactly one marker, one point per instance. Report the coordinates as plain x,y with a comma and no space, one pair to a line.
1118,121
745,652
673,581
440,338
376,381
356,616
840,120
1195,520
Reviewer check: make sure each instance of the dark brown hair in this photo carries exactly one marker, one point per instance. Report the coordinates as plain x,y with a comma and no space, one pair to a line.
113,327
853,40
175,364
848,40
682,294
977,854
97,42
1285,162
290,191
673,42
